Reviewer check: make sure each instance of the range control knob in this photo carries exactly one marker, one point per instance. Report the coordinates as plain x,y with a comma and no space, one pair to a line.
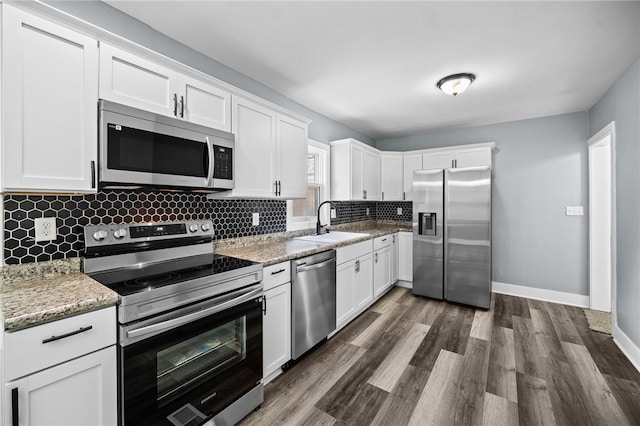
120,233
193,227
206,226
100,235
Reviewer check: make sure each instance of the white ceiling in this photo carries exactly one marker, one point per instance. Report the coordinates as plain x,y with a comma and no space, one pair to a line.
373,66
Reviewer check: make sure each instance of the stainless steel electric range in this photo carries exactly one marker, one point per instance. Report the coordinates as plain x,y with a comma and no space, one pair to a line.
189,323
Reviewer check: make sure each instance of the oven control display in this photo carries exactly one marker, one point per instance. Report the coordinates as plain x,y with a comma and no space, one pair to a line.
142,231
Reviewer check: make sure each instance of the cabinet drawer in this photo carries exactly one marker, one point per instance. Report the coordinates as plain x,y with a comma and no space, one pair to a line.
383,241
275,275
36,348
344,254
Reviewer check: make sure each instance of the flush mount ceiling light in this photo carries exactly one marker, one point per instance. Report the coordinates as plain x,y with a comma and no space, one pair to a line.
456,83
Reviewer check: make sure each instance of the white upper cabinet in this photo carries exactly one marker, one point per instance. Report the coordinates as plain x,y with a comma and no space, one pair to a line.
457,157
132,80
355,171
49,98
270,153
291,155
392,176
411,163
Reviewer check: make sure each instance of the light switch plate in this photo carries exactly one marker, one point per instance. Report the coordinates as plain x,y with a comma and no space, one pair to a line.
399,211
334,213
367,211
45,229
575,211
255,219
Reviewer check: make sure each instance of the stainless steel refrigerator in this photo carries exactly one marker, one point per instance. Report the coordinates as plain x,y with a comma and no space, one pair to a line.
452,235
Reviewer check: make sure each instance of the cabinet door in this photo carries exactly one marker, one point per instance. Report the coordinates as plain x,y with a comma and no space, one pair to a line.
395,255
276,327
49,96
473,157
411,163
81,392
405,256
381,271
345,292
206,104
364,283
255,130
357,168
439,160
291,157
131,80
391,177
371,175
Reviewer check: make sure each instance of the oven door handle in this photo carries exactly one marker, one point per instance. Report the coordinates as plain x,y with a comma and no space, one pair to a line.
177,322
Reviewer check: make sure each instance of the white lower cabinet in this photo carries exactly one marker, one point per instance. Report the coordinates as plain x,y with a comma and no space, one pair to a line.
79,392
395,257
62,372
354,281
381,265
276,322
405,257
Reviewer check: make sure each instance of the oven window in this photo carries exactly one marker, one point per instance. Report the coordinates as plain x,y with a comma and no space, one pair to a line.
204,354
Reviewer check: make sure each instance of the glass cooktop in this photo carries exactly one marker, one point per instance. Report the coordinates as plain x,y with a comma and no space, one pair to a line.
135,280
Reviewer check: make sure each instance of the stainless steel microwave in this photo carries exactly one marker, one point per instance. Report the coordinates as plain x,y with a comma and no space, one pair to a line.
141,149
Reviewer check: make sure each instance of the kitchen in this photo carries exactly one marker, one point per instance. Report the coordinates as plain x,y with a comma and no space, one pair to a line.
542,156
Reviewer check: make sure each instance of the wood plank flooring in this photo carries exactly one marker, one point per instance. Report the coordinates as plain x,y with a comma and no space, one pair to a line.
415,361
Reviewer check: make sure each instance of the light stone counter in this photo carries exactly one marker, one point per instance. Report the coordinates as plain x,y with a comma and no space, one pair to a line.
33,294
280,250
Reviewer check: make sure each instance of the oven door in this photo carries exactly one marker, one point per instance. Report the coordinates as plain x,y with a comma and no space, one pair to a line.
206,355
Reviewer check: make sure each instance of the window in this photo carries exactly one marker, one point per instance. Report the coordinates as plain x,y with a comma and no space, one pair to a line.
301,214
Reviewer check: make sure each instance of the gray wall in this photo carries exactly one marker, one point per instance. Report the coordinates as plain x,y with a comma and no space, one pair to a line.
104,16
539,167
622,105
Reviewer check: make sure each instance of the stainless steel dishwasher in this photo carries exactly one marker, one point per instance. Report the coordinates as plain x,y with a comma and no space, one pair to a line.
313,297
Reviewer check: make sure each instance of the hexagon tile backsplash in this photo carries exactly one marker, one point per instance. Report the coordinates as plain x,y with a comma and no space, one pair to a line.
231,218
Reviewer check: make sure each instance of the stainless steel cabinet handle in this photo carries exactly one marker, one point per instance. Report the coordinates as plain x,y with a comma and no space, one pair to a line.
69,334
182,106
278,271
93,174
404,196
279,188
393,239
365,194
264,305
314,266
175,104
376,257
275,188
15,420
383,195
358,265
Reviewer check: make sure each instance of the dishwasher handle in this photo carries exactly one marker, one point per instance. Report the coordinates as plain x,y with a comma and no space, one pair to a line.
305,267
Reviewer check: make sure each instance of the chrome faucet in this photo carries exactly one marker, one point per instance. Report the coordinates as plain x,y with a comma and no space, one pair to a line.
318,225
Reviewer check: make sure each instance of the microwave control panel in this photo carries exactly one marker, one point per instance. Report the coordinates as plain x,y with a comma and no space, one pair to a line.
222,162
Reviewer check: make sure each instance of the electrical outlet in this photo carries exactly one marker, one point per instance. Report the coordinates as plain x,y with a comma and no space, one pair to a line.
367,211
574,211
399,211
255,219
46,229
334,213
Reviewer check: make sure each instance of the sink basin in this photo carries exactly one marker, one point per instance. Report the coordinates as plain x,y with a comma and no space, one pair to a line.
333,237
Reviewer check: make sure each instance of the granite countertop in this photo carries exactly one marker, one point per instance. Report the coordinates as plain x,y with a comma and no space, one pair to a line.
33,294
273,252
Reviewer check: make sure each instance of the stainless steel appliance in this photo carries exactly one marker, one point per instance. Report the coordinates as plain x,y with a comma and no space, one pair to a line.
189,322
142,149
313,294
452,235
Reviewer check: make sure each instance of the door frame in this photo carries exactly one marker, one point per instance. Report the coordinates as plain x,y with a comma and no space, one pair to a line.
603,138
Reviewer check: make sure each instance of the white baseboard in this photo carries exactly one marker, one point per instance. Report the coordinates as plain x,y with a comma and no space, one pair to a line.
405,284
631,351
541,294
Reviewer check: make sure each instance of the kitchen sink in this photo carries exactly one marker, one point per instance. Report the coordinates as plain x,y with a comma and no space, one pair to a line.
333,237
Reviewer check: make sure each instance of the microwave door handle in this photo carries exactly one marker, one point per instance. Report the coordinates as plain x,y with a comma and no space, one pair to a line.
211,161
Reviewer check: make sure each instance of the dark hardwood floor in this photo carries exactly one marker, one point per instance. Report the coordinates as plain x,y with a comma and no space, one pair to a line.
415,361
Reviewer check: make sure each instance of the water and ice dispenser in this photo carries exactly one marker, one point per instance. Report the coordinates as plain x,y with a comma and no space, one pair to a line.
427,223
